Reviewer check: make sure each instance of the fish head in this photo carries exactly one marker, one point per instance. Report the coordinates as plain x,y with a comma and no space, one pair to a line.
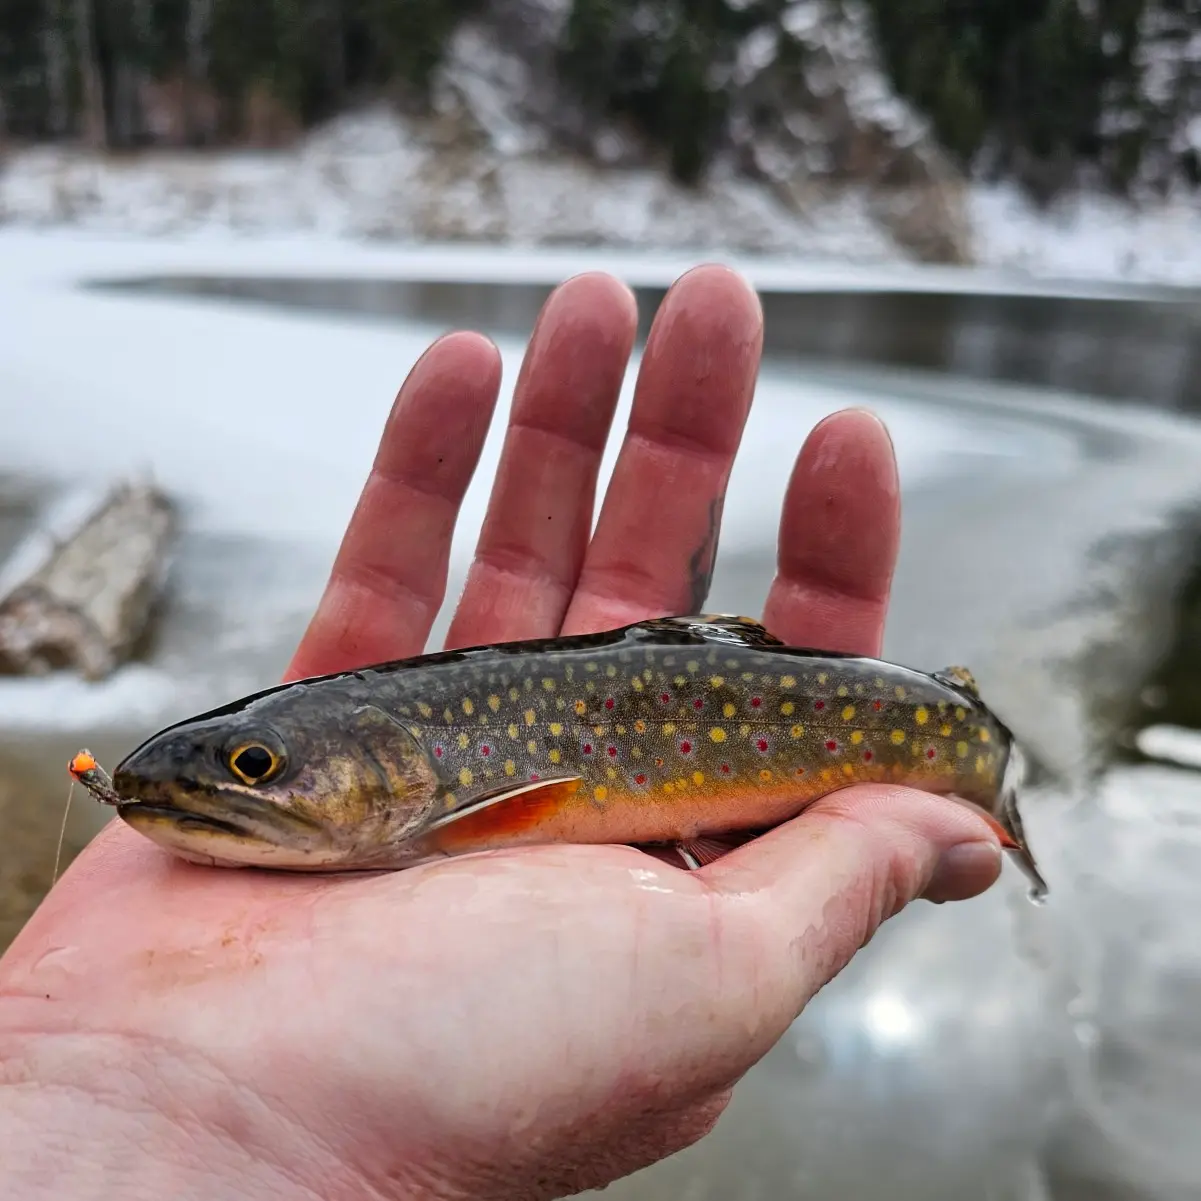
304,777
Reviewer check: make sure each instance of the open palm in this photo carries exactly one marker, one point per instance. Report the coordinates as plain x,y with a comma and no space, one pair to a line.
518,1024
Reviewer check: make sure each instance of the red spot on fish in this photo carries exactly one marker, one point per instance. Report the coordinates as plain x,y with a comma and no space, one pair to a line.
756,701
665,697
639,779
535,776
698,703
800,771
485,750
685,747
877,705
831,745
761,744
438,752
587,748
930,753
658,762
609,702
819,705
612,752
868,756
725,769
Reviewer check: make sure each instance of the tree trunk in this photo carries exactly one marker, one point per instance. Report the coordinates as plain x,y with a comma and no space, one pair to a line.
95,126
88,604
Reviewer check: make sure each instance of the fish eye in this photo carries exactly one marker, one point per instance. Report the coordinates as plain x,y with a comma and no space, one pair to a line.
254,763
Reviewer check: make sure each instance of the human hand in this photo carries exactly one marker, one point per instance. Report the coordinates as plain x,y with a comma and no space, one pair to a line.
519,1024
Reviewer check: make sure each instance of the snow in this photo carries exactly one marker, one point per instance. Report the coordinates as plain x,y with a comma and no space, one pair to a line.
364,186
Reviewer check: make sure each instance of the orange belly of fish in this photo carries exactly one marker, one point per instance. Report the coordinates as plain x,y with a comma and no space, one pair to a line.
580,812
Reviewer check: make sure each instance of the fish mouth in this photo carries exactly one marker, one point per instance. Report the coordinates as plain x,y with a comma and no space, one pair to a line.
182,819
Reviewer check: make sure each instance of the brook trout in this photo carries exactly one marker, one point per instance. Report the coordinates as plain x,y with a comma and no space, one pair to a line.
691,732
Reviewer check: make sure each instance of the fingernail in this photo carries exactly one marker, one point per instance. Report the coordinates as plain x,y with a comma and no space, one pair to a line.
964,871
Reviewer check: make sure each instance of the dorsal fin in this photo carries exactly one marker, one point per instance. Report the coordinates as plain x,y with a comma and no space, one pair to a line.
718,627
958,677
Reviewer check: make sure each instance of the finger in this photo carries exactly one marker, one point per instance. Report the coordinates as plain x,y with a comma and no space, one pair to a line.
822,884
540,516
389,577
839,535
656,538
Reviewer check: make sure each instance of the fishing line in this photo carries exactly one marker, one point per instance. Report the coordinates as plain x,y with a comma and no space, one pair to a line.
62,833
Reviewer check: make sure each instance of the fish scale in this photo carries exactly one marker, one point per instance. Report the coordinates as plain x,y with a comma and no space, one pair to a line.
682,730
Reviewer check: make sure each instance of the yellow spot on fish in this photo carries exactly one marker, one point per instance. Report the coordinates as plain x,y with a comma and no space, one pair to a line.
465,776
744,730
560,704
528,684
556,729
879,681
900,692
692,666
532,747
680,681
842,690
640,726
424,709
510,767
981,764
553,755
611,772
598,729
648,675
669,727
748,676
857,737
448,714
828,774
945,730
669,788
716,681
494,703
549,685
600,793
848,769
961,713
468,707
463,740
636,683
729,710
822,677
581,707
921,715
590,667
898,737
530,717
636,751
765,775
984,735
513,730
797,731
848,713
717,734
611,670
513,694
788,708
698,777
961,749
790,681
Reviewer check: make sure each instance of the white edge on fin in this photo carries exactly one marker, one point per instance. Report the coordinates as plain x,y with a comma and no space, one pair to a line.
487,801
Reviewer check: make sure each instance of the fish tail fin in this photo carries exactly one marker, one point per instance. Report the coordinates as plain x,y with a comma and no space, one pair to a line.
1009,819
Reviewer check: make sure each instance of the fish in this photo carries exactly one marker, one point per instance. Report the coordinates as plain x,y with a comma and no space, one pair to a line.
684,735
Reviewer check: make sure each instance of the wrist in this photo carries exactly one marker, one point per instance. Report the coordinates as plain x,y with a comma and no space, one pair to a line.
86,1115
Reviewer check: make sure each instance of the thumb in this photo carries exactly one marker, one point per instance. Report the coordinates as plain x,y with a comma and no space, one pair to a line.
814,891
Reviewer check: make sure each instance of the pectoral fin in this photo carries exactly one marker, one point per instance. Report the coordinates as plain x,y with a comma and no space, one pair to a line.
495,818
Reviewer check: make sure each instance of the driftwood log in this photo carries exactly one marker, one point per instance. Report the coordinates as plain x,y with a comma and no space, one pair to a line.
88,603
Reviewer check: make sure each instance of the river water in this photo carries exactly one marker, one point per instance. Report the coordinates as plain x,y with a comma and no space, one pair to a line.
1049,457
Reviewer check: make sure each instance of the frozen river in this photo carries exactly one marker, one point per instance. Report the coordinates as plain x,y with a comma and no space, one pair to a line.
989,1051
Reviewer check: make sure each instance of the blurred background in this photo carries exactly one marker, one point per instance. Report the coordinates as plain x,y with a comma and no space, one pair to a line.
227,230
